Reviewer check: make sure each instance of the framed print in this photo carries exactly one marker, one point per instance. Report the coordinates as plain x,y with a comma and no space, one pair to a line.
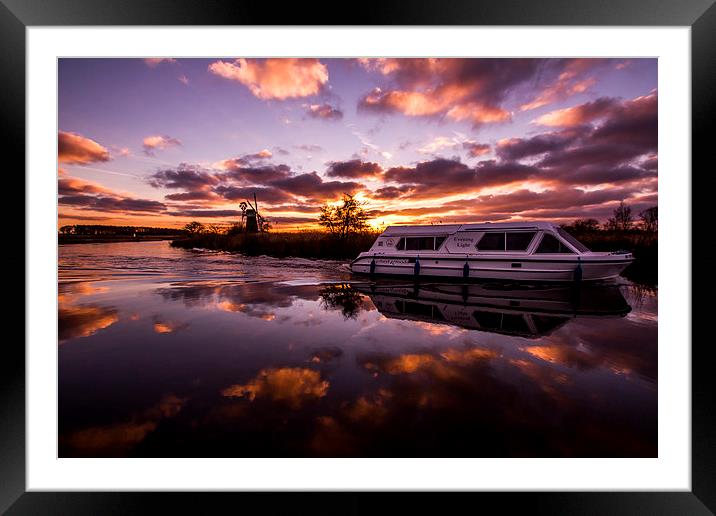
416,252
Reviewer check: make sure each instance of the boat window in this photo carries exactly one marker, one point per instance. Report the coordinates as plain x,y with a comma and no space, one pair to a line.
492,242
550,244
576,243
401,245
420,244
438,242
519,241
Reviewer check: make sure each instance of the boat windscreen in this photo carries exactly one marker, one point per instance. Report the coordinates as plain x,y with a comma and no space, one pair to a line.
576,243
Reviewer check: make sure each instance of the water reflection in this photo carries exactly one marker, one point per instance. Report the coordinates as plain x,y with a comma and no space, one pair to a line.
527,310
219,367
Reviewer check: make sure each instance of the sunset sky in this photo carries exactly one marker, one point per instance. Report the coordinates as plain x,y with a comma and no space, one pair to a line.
161,142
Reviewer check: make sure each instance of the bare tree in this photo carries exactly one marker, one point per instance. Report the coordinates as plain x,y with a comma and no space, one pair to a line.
650,219
344,219
195,228
622,220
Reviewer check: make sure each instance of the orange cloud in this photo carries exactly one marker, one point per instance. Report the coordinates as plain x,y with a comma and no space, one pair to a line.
294,386
275,78
154,142
458,89
580,114
75,149
71,185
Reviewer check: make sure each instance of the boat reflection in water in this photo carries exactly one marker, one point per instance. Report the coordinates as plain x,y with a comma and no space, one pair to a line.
529,311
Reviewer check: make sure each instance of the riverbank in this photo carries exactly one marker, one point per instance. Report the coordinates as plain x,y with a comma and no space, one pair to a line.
104,239
304,244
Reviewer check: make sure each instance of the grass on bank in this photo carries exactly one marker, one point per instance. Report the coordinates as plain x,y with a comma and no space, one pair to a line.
303,244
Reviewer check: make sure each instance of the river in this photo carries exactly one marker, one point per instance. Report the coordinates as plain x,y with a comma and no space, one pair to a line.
166,352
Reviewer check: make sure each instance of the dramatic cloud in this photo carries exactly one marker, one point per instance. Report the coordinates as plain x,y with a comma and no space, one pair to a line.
84,195
578,115
440,177
434,178
265,194
324,112
113,203
475,90
158,142
390,192
519,148
633,122
278,79
198,195
353,169
249,175
274,185
72,185
184,177
458,89
620,149
575,76
312,186
75,149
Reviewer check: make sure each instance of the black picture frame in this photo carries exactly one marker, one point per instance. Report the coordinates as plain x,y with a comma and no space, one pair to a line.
699,15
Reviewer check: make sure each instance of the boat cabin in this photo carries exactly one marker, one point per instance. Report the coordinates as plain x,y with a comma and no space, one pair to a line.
488,238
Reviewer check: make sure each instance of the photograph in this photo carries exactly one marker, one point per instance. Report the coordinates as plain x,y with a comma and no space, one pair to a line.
379,257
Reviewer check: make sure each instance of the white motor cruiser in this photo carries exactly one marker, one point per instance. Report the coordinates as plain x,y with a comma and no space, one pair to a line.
515,251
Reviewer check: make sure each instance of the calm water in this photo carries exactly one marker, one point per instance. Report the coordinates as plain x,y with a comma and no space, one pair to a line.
166,352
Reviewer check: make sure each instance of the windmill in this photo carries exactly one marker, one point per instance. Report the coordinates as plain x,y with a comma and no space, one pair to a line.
254,221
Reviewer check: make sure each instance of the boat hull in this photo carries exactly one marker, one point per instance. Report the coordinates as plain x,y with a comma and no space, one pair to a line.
510,269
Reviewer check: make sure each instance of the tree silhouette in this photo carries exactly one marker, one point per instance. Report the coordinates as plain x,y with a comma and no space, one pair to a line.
650,219
344,219
195,228
622,219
